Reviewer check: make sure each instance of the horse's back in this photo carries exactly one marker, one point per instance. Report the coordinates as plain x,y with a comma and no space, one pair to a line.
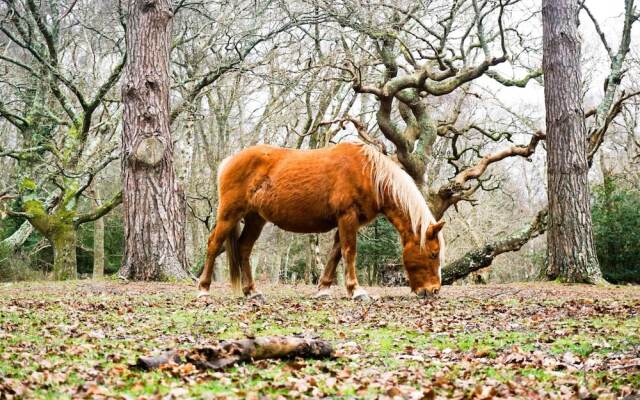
263,159
252,161
299,190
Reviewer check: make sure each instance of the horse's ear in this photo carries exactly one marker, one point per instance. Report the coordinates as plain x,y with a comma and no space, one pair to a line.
433,230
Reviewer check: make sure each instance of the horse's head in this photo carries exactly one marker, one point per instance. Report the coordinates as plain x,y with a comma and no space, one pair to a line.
423,262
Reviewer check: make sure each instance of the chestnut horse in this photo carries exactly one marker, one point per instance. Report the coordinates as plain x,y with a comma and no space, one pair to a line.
311,191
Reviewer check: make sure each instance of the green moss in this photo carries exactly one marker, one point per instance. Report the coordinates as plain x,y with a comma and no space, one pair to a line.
69,198
57,226
74,131
27,184
34,208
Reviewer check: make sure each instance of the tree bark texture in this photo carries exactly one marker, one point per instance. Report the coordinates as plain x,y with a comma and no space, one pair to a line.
571,252
154,204
62,233
64,240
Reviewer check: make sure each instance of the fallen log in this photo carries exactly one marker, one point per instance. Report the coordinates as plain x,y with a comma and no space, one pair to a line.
230,352
152,362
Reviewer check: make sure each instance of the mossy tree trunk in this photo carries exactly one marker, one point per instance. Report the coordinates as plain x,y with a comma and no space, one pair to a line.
64,240
60,231
60,226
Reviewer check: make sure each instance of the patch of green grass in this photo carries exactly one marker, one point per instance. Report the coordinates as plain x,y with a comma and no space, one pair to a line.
499,375
575,344
612,335
539,375
489,343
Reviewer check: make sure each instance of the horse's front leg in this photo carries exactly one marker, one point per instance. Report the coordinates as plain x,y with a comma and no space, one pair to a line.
329,273
348,230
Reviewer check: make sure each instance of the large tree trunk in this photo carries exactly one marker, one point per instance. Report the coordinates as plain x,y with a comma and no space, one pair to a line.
154,209
571,253
63,238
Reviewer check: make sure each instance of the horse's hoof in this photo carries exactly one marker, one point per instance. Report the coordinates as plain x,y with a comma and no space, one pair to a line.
257,297
203,293
361,295
322,294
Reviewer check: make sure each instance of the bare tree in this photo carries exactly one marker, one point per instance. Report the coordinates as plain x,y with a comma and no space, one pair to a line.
61,114
598,121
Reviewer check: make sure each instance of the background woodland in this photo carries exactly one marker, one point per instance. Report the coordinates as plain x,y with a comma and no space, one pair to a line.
451,89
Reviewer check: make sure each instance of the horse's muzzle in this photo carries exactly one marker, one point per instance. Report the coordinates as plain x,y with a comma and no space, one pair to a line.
425,293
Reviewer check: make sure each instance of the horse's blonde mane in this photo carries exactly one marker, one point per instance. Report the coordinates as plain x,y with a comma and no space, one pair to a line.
389,178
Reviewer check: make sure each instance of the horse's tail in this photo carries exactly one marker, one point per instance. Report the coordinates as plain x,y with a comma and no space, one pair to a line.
233,256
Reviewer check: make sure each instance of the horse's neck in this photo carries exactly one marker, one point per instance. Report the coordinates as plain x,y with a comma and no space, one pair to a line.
399,219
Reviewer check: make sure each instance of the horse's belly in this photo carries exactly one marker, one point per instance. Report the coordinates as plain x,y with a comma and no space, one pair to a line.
298,219
318,227
306,197
295,211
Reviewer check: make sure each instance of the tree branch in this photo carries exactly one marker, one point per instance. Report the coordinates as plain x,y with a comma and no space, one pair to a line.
360,128
449,85
22,154
100,211
596,25
482,165
522,82
457,190
213,75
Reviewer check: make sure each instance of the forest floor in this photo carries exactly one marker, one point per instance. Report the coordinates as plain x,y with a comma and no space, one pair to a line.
79,339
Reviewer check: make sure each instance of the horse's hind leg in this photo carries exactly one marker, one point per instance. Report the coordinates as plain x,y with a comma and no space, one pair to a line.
223,228
348,230
253,224
329,273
